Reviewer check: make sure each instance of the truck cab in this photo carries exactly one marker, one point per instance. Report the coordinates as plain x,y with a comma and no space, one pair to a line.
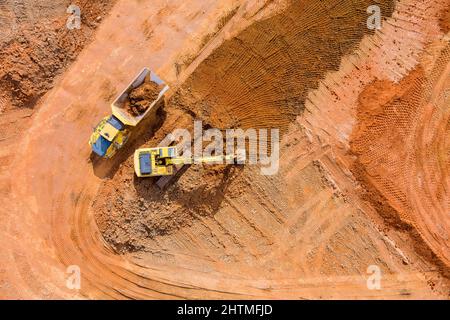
108,136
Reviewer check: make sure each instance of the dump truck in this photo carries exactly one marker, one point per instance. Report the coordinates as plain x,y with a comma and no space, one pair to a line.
113,131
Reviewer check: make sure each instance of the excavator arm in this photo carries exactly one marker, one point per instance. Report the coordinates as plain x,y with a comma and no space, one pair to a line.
210,159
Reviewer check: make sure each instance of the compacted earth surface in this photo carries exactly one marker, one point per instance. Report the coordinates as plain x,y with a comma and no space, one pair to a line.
363,180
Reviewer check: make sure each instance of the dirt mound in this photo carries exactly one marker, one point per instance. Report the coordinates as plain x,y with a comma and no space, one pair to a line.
260,78
142,97
37,51
142,211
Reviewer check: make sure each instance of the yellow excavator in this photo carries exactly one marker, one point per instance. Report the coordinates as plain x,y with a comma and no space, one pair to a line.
163,161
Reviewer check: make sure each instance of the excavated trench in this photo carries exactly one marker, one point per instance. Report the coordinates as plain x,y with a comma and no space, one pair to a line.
258,79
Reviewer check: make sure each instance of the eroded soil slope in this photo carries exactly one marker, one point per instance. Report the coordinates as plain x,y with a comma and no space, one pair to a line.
261,77
402,145
36,45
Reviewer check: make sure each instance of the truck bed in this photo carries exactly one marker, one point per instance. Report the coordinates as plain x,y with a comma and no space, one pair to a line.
118,106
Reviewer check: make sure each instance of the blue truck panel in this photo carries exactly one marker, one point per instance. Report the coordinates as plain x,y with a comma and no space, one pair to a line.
101,146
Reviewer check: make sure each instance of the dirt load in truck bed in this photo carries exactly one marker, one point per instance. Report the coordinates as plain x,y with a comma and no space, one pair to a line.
140,98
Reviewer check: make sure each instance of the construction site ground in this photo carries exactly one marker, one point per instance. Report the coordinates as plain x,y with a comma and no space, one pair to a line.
364,181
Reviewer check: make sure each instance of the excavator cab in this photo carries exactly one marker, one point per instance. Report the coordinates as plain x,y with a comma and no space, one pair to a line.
155,162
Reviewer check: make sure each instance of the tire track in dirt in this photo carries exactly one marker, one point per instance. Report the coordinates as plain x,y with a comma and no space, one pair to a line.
335,233
258,79
404,161
40,47
373,61
75,238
